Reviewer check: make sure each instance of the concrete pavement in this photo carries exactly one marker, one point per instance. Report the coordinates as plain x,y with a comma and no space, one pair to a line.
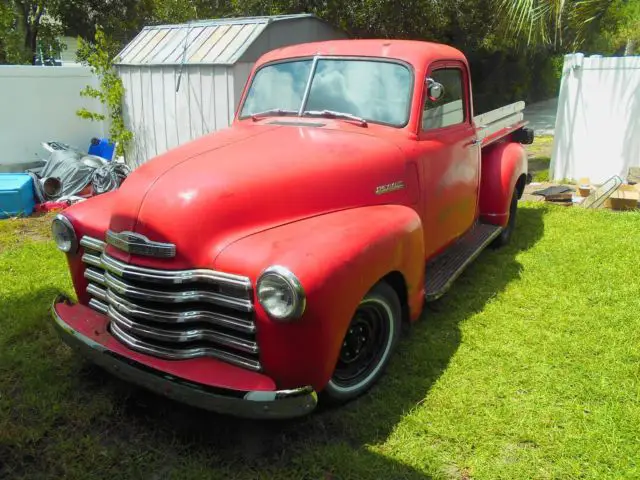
542,116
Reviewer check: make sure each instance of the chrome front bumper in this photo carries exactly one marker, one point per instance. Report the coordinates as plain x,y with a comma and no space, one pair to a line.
277,404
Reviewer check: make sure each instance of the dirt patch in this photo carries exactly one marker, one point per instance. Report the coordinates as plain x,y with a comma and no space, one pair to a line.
15,231
35,228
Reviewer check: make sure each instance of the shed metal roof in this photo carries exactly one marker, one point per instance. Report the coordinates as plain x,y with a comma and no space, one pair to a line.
219,41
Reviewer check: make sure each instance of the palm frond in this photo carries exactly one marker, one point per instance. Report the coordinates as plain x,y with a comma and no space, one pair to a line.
547,22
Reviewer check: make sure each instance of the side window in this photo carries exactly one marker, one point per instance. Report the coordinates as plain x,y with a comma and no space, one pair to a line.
450,108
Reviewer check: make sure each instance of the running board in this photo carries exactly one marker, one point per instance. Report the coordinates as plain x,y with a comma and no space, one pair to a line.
441,272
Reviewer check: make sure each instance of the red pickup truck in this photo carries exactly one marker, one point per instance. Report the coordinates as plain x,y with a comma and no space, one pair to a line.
253,269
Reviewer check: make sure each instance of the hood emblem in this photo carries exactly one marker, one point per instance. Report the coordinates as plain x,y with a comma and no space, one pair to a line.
138,244
389,187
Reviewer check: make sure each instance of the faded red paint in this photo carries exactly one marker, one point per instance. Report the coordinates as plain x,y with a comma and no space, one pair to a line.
257,194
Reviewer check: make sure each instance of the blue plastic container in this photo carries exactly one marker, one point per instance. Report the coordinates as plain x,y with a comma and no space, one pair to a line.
16,195
101,147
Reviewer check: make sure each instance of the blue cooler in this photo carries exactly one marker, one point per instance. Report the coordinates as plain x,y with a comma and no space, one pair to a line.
16,195
102,147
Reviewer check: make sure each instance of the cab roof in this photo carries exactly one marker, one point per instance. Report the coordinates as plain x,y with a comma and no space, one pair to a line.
411,51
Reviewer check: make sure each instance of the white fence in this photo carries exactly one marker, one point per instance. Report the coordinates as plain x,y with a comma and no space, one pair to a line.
597,131
39,104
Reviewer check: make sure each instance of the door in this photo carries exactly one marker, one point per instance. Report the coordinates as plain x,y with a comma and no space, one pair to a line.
450,158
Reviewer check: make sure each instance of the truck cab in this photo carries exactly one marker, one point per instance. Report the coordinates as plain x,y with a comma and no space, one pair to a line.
256,267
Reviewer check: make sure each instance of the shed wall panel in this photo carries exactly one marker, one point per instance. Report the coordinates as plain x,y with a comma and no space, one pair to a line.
170,102
183,112
222,96
158,110
208,99
161,118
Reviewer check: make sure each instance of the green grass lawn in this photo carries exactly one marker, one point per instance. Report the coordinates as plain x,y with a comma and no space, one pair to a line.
528,368
540,158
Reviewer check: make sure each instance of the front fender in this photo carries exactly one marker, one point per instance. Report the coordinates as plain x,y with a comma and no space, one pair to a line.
502,165
337,257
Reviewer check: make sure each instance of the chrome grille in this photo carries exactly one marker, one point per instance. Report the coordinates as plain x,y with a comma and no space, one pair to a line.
173,314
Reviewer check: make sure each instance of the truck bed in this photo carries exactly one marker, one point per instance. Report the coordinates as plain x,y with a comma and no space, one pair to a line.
498,123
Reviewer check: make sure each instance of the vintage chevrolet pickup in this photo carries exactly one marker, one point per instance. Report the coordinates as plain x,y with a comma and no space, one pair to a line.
253,269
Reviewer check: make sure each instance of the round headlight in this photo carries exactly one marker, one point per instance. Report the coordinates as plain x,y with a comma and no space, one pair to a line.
64,234
280,293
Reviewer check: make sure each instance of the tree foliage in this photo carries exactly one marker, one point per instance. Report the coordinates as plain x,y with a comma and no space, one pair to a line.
178,11
12,49
565,25
99,56
620,29
493,25
515,47
29,29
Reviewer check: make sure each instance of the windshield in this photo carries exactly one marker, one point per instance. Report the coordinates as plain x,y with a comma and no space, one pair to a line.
374,90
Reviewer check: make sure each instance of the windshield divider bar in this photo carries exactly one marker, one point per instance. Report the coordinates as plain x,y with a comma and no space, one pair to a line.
307,89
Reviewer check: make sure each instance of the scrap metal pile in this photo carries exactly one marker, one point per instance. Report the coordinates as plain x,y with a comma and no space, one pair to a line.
613,194
71,175
67,176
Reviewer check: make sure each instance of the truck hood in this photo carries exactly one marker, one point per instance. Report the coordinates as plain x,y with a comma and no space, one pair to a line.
240,181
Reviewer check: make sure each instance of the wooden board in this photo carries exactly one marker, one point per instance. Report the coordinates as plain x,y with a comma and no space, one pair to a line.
505,118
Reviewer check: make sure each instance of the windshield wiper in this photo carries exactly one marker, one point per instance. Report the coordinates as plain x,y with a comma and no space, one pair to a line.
271,113
334,114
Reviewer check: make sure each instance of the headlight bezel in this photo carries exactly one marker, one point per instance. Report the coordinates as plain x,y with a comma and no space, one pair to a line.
292,282
73,242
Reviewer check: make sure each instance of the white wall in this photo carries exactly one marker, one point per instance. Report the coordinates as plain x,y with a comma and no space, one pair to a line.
161,118
597,132
38,104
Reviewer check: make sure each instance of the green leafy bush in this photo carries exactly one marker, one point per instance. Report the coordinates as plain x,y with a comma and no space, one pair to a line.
100,57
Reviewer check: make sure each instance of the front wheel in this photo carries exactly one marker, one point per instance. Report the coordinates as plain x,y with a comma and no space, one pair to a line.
366,349
504,237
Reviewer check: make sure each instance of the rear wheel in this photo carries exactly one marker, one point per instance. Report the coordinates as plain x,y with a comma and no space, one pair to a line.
505,236
366,349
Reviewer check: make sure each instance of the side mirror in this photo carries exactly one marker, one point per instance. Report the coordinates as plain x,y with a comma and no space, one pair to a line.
435,90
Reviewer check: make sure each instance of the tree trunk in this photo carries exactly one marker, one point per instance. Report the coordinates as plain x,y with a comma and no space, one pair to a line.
31,16
630,47
31,41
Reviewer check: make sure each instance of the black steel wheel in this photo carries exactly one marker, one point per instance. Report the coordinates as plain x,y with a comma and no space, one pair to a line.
505,236
367,346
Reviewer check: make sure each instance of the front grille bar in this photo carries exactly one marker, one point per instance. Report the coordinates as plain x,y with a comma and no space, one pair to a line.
191,335
99,293
92,243
170,277
98,306
95,276
134,297
131,291
93,260
181,354
173,277
215,318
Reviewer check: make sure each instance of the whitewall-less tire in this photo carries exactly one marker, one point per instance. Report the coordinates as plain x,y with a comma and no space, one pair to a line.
368,344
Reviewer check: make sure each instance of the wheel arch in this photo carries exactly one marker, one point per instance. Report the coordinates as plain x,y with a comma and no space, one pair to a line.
504,168
396,280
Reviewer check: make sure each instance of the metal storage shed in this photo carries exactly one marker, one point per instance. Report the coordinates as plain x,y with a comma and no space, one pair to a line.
210,62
